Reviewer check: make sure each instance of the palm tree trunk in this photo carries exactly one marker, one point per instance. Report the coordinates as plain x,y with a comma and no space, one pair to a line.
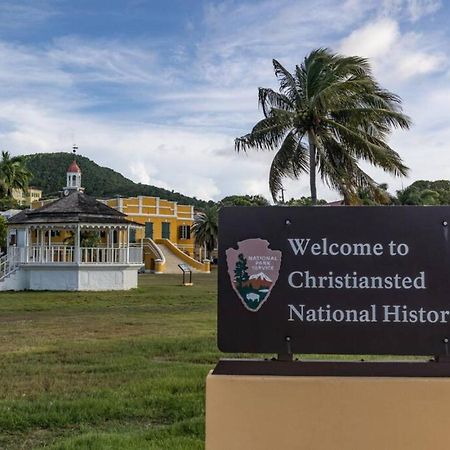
312,167
346,199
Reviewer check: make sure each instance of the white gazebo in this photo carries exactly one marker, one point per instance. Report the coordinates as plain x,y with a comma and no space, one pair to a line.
74,243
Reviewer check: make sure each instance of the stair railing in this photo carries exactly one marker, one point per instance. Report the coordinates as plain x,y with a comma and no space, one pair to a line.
8,264
151,244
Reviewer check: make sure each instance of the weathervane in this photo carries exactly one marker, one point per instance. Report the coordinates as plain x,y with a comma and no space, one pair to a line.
74,148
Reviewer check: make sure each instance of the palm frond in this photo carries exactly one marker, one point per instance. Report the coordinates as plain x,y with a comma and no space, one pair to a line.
368,147
268,133
287,81
269,99
290,161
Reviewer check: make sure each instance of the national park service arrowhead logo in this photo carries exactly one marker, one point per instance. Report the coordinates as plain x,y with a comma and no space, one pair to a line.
253,270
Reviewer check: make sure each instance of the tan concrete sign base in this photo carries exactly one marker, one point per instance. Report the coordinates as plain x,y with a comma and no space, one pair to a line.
327,413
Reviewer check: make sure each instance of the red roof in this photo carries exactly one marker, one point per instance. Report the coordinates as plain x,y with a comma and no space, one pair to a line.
73,167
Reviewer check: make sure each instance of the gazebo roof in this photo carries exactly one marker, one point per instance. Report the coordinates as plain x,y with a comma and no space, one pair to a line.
76,207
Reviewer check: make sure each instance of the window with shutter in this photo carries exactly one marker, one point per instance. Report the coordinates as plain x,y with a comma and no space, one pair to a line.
165,230
184,232
149,230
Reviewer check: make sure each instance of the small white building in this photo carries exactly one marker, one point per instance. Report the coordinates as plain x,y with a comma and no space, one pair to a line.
75,243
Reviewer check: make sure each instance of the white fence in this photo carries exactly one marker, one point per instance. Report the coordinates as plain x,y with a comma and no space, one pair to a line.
51,254
62,254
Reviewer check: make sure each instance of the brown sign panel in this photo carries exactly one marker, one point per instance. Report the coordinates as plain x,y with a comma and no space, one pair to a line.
334,280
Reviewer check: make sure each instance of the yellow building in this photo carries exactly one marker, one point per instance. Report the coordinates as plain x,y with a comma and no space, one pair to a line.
28,197
166,236
162,219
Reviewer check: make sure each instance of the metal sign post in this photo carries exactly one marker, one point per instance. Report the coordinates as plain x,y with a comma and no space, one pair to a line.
187,272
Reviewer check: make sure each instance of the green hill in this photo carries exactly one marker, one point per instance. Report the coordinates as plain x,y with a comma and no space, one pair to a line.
49,174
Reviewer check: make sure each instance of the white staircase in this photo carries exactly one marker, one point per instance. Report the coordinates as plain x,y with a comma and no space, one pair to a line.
151,245
10,278
8,265
172,260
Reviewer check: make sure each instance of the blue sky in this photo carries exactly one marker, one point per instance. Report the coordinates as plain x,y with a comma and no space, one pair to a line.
158,90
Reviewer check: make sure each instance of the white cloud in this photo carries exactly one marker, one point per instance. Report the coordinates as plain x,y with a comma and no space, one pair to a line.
26,13
140,173
372,40
104,60
176,109
411,9
420,8
395,56
419,63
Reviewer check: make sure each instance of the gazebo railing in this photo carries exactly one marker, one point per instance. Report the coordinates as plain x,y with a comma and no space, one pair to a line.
51,254
103,255
63,254
136,255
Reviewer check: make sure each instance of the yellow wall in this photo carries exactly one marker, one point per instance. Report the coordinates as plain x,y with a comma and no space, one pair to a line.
28,198
61,239
38,203
152,209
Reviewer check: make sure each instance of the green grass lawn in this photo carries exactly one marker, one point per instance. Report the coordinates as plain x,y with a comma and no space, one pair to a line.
107,370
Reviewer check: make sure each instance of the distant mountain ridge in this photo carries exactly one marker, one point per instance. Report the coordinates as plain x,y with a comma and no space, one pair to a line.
49,174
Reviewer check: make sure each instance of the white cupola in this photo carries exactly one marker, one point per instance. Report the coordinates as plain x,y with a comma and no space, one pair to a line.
73,182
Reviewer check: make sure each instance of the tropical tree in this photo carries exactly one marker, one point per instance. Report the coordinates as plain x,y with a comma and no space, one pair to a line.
205,229
9,203
380,196
424,192
327,116
244,200
304,201
13,174
3,234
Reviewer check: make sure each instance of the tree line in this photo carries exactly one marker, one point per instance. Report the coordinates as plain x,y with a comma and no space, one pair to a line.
49,174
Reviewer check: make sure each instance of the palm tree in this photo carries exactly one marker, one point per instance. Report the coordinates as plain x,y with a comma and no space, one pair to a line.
376,197
205,229
13,174
329,114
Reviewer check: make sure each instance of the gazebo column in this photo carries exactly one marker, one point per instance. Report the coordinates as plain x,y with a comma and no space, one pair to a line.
111,244
128,243
50,251
77,245
41,245
27,240
121,254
